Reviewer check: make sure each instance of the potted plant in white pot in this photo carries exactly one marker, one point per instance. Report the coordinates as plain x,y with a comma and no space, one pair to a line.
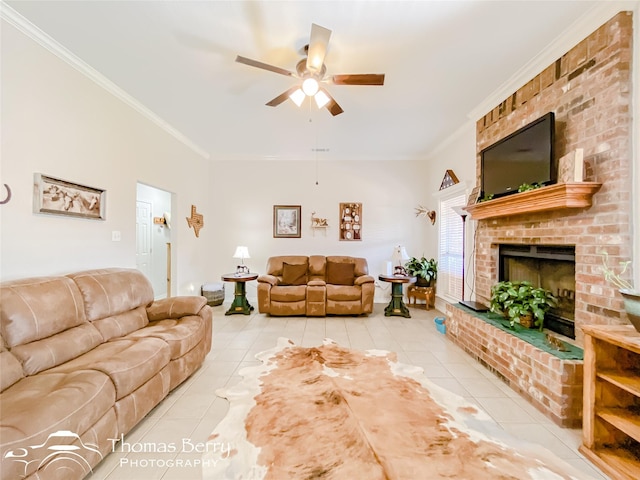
630,296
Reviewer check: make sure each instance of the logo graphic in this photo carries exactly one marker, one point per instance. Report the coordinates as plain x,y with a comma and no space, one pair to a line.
55,452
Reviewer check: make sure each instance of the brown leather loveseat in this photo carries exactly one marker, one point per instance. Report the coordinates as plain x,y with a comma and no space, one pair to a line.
316,286
84,357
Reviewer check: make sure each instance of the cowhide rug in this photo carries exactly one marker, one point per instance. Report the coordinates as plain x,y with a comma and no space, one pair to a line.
330,412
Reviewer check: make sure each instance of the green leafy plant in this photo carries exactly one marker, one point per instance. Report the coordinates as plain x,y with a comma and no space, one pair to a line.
519,299
423,269
486,198
525,187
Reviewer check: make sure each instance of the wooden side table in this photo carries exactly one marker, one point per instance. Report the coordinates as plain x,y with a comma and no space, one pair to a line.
240,304
427,294
396,305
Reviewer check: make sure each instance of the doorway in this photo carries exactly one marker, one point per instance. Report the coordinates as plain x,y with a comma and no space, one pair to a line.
154,237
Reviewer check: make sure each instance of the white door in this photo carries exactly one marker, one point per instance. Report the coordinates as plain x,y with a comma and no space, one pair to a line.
143,238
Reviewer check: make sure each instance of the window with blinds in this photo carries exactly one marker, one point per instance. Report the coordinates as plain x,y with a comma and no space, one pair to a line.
450,247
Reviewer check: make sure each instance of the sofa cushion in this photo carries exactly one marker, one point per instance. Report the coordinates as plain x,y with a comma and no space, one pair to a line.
181,335
112,291
57,349
10,367
343,293
294,274
339,273
176,307
292,293
38,406
36,308
275,264
129,362
122,324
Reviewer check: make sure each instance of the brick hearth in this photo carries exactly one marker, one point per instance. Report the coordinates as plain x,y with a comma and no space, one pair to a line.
551,384
589,90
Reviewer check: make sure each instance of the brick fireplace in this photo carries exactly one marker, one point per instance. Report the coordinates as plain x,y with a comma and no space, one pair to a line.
589,90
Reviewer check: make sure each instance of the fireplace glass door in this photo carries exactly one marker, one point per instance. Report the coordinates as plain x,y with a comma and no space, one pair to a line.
549,267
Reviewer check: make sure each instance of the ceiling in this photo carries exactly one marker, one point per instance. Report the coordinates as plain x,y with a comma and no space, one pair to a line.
441,60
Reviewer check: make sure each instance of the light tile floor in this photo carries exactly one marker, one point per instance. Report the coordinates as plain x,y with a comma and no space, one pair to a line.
165,444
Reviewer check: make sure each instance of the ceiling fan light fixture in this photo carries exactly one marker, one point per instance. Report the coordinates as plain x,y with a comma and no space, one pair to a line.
297,97
321,99
310,86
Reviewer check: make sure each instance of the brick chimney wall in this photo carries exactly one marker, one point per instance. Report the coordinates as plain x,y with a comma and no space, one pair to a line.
589,90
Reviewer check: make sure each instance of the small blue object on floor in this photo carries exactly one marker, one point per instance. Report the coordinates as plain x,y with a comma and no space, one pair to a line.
440,325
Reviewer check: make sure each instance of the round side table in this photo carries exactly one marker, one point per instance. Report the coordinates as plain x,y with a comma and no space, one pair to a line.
396,305
240,304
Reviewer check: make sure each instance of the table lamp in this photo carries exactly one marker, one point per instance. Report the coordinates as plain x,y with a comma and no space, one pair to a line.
242,252
399,257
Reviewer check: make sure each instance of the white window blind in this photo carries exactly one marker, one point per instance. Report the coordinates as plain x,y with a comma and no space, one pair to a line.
450,247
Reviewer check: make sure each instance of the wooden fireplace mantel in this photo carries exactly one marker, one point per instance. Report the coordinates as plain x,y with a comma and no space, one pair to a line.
552,197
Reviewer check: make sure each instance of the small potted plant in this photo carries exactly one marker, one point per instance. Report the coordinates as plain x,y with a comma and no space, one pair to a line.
522,302
425,271
630,296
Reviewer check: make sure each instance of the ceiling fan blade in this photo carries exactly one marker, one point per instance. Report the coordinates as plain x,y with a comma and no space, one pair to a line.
358,79
332,105
282,97
317,47
264,66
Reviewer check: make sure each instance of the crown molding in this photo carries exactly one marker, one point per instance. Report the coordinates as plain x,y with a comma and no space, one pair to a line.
30,30
574,34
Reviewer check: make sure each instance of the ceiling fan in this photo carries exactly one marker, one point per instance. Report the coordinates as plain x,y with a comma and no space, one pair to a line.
312,72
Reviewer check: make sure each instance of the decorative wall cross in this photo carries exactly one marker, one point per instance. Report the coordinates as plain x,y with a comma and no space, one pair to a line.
196,220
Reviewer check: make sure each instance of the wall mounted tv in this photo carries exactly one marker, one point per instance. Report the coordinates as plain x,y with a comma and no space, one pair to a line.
525,156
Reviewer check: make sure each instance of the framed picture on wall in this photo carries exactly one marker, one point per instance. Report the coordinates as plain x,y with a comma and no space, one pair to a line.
351,221
61,197
286,221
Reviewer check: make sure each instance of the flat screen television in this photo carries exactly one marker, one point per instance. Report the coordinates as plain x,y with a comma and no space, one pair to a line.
525,156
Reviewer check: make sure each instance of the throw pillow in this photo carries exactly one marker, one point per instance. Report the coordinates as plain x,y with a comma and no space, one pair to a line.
294,274
340,273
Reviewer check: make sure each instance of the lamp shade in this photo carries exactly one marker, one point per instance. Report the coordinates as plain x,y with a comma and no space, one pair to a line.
297,97
399,254
241,252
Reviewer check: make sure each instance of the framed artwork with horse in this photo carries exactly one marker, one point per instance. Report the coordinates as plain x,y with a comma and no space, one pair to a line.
61,197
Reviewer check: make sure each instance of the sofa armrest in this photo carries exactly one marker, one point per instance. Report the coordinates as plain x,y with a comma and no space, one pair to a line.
271,279
316,283
362,279
175,307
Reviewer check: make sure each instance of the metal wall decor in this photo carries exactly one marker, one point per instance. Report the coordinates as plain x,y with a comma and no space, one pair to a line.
196,220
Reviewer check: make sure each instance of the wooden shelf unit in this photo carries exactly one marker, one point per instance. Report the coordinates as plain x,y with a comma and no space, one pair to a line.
611,409
552,197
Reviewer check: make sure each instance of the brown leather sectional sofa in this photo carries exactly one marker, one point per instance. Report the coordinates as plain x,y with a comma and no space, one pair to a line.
84,357
316,286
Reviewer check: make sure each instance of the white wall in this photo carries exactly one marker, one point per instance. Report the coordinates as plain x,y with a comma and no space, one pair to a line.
244,196
58,122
